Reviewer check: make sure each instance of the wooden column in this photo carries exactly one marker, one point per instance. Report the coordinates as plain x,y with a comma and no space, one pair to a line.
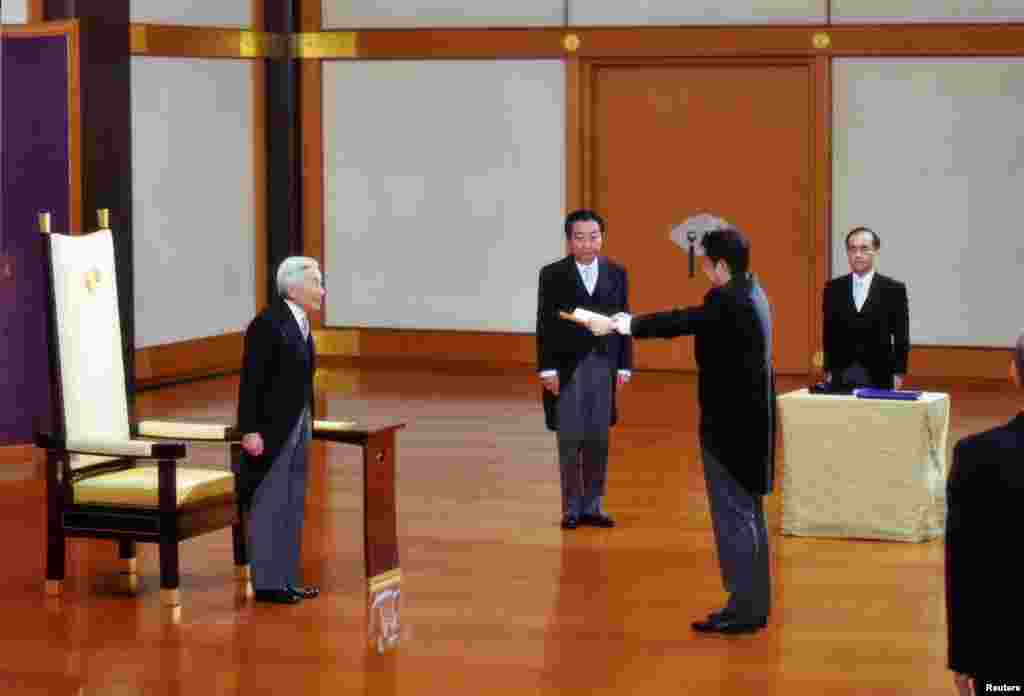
284,145
105,150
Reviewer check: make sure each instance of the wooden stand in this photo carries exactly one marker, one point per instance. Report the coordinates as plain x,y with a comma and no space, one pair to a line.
380,527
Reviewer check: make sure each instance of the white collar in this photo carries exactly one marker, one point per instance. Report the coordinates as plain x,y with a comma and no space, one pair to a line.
297,311
865,279
593,264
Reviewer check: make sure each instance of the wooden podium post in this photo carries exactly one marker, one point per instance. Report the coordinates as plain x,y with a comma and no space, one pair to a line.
380,527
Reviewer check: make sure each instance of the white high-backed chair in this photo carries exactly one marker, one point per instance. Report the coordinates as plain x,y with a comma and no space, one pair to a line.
103,479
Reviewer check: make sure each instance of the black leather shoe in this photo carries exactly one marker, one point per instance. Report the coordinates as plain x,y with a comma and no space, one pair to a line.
570,522
720,614
307,592
276,596
598,520
729,624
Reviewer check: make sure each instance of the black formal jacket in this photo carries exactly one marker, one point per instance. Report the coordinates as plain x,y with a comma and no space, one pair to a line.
877,337
276,385
735,380
984,593
562,344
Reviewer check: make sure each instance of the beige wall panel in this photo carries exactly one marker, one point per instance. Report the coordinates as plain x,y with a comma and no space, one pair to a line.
442,13
14,12
665,12
928,154
902,11
203,13
194,223
443,191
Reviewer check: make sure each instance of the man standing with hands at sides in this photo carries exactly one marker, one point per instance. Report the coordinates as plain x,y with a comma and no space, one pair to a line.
736,392
275,412
581,372
985,494
866,327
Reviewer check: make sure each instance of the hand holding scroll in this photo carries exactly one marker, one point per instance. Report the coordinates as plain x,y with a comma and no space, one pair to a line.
599,324
621,323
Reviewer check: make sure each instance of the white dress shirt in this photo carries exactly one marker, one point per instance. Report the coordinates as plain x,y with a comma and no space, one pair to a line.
589,275
300,317
861,288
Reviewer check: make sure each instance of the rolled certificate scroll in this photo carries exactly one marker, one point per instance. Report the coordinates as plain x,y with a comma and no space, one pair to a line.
582,316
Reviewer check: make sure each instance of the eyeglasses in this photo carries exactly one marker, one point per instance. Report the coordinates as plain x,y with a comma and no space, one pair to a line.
866,250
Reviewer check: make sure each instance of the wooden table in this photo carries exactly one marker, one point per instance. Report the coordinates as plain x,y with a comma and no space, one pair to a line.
864,468
380,526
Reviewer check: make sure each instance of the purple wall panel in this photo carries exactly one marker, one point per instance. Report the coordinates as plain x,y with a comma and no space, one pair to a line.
35,173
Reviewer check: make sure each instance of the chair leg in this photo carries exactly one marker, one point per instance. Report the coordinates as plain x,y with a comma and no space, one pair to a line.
126,554
240,529
169,594
55,555
240,547
55,565
55,536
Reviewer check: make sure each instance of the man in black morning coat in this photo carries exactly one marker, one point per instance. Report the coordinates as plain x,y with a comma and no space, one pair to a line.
984,601
581,372
866,322
275,412
736,393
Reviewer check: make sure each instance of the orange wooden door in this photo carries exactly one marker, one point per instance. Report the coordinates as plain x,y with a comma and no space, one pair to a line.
666,141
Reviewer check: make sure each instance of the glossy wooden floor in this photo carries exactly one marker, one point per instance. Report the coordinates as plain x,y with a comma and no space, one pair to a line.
497,599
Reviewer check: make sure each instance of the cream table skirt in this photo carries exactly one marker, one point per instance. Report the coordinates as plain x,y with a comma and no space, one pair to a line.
864,468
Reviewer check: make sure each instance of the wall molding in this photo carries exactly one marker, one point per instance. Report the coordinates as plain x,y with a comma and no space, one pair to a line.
206,42
892,40
200,357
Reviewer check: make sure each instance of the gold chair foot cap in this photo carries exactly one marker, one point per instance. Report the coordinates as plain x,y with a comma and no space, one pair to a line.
128,583
170,598
54,588
242,572
172,614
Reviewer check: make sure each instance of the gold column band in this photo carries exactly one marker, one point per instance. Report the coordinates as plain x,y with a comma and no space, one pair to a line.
325,44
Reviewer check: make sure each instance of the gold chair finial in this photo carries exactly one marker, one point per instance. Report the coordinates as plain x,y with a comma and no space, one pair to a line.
103,218
44,222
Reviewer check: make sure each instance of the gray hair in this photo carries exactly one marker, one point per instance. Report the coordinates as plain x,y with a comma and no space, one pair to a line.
292,272
1018,355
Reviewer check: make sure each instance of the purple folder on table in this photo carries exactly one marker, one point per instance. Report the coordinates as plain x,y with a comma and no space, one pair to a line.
868,393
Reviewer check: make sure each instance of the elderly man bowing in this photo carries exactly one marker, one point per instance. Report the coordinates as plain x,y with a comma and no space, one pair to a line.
275,400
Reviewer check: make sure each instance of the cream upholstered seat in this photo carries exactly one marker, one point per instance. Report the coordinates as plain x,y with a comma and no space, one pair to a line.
138,487
102,481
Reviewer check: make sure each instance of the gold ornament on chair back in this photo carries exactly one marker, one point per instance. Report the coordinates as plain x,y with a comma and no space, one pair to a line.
93,280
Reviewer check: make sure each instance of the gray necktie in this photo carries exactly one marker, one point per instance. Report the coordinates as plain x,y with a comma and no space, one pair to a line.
304,326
